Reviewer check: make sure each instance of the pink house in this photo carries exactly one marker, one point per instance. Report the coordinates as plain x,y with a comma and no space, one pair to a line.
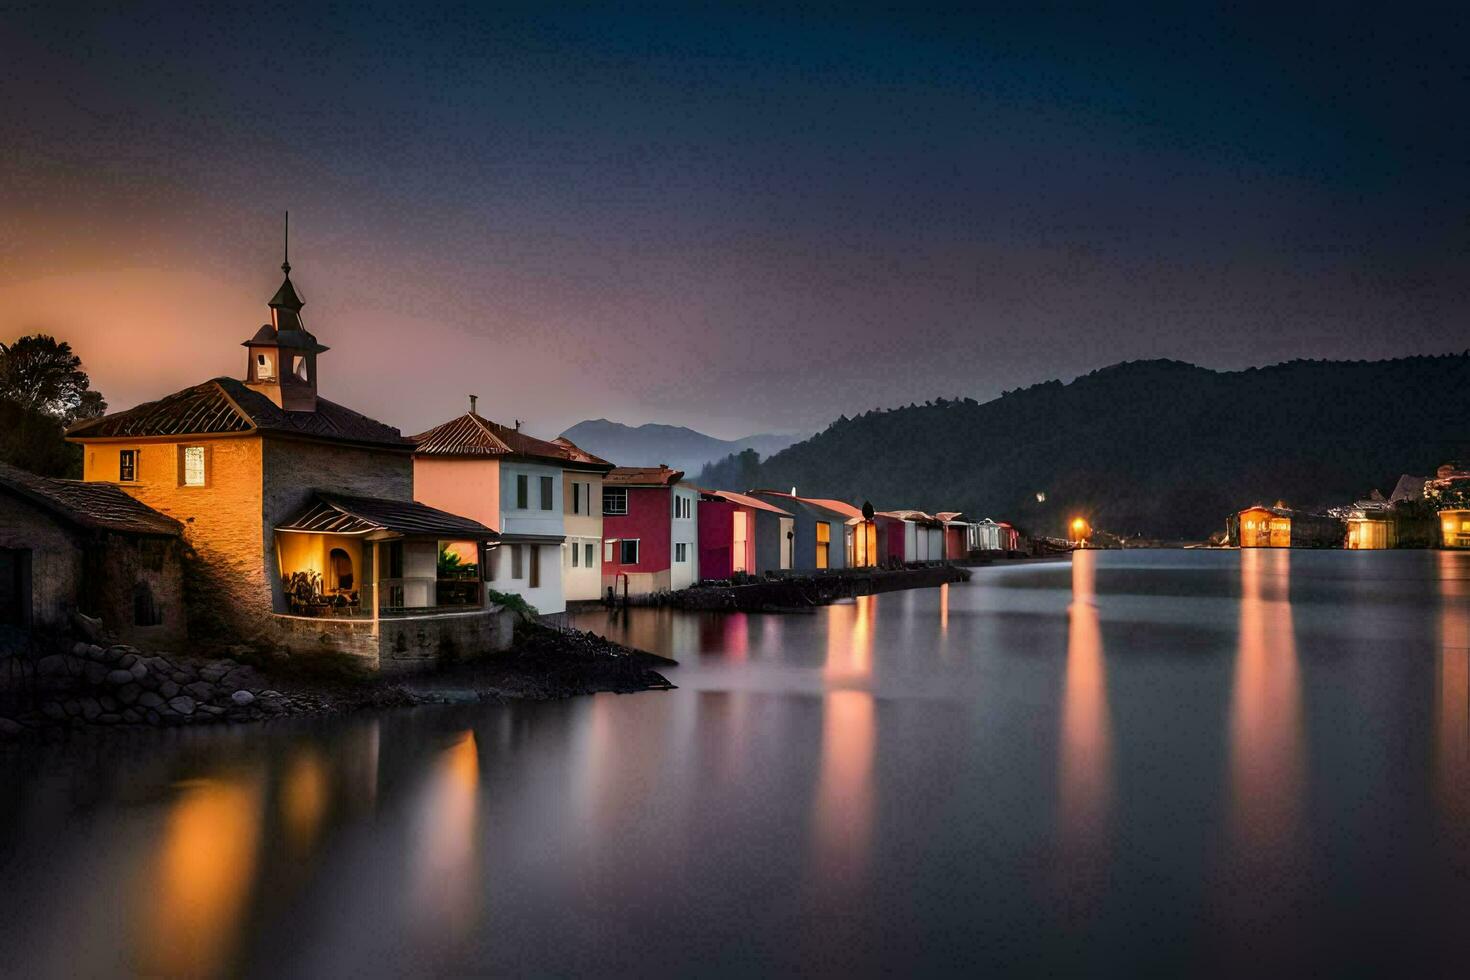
738,533
650,530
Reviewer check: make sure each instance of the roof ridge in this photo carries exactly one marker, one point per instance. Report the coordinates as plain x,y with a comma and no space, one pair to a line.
224,393
485,427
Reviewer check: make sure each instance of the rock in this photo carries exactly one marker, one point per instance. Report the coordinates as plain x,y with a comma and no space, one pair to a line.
87,626
132,716
183,704
138,670
109,703
53,710
242,698
73,708
53,666
150,681
237,678
168,688
210,709
181,677
150,699
201,690
127,660
94,652
129,693
159,664
79,649
97,674
90,708
153,716
213,672
118,678
11,728
109,718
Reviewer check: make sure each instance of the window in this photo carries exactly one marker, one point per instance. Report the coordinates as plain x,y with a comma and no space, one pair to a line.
127,466
548,484
523,491
628,552
535,576
145,607
264,370
576,556
607,551
298,368
193,466
340,564
683,506
614,500
824,543
589,554
576,498
492,556
681,552
515,561
395,560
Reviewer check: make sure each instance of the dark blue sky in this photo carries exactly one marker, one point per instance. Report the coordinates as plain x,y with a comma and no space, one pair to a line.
740,221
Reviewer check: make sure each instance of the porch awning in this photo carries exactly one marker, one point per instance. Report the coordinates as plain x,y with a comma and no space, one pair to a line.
331,513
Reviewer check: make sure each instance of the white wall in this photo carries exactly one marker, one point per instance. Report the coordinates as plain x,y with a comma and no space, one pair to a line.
531,520
685,530
584,579
547,597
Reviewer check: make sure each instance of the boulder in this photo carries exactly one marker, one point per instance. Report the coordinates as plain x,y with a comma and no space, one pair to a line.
10,727
109,703
168,688
242,698
183,704
90,708
117,678
201,690
139,670
96,673
89,627
72,706
94,652
109,718
53,710
79,649
132,716
129,693
213,672
53,666
150,699
159,664
210,709
238,678
127,660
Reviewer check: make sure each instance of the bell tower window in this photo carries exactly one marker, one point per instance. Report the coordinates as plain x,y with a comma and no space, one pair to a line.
264,368
298,368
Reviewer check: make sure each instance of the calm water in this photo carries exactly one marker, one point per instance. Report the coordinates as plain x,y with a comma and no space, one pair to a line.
1183,762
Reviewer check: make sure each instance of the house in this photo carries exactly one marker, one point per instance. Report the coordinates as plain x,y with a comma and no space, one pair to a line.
521,487
1372,524
922,536
582,561
742,534
991,535
1455,526
650,530
67,546
956,544
299,511
1283,527
819,528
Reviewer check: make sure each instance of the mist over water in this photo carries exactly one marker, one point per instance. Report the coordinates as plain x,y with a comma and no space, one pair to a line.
1188,762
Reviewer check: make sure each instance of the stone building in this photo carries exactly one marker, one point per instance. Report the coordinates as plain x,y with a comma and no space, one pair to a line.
239,463
67,546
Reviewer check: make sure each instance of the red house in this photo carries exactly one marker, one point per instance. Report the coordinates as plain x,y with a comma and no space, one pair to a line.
739,534
955,531
650,530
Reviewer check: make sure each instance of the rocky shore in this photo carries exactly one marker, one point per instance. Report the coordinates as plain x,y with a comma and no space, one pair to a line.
801,593
76,683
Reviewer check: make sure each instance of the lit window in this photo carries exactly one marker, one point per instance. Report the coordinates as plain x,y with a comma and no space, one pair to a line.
127,466
264,370
298,368
193,466
614,500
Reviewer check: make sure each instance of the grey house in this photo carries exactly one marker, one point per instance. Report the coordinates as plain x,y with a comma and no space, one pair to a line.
819,529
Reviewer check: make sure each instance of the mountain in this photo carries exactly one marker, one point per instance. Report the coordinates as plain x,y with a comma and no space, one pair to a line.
680,447
1161,448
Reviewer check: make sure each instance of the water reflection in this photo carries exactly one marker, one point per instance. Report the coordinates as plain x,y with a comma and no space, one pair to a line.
194,899
1266,755
304,799
1085,765
445,843
850,640
843,815
1452,706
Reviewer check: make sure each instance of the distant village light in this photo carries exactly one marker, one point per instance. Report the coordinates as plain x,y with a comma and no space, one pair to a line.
1041,496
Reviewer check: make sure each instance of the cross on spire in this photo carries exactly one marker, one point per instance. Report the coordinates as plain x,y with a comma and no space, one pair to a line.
286,248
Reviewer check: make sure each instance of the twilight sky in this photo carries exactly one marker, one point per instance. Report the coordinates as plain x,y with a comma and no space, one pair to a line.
735,221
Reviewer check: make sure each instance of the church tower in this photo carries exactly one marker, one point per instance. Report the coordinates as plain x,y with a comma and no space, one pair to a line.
282,354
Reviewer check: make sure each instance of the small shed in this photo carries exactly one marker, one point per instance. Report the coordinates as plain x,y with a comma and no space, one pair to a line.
67,546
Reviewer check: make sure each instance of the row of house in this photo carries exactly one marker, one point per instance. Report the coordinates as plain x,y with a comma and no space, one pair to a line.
262,511
1421,512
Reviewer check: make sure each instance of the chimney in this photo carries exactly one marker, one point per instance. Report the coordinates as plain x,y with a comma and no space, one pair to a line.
473,399
518,425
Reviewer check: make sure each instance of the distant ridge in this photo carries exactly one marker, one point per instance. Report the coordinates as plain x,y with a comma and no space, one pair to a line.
1159,447
680,447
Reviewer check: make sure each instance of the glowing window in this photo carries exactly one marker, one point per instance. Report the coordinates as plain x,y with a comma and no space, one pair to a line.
127,466
193,466
264,369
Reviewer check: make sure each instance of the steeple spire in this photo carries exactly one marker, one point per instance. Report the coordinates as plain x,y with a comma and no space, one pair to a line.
286,248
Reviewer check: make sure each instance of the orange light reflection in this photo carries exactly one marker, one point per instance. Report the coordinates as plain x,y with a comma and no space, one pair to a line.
1452,707
1085,765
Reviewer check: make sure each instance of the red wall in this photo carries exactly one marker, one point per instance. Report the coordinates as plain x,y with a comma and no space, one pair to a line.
954,542
650,519
890,536
717,538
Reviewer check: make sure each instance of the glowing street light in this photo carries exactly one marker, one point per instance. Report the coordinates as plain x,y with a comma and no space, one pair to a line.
1079,530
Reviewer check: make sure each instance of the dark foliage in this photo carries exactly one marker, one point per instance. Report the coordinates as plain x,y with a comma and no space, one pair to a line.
43,389
1159,448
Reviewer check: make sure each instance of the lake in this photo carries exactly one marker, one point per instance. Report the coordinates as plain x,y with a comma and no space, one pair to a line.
1160,762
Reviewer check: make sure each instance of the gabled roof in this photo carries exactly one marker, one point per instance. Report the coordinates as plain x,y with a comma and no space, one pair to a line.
949,516
1408,488
578,454
224,406
98,506
642,476
917,516
836,507
745,501
333,513
472,436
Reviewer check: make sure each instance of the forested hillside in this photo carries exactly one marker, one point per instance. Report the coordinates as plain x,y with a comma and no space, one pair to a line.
1161,448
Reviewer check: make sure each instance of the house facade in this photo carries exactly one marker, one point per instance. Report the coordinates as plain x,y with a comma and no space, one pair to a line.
1282,527
740,534
912,535
818,529
582,512
521,487
650,527
67,546
238,463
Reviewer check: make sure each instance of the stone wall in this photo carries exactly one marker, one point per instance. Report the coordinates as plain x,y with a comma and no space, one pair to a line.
124,561
56,559
401,644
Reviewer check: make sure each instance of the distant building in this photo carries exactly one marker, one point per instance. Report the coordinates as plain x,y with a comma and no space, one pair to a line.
1283,527
741,534
582,561
912,535
956,544
299,511
819,529
650,528
67,546
1455,528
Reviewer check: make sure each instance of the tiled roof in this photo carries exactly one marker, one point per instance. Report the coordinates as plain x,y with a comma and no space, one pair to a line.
642,476
223,406
917,516
331,513
835,506
100,506
949,515
578,454
746,501
472,435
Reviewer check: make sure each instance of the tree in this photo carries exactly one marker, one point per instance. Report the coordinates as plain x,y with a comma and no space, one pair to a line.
43,389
